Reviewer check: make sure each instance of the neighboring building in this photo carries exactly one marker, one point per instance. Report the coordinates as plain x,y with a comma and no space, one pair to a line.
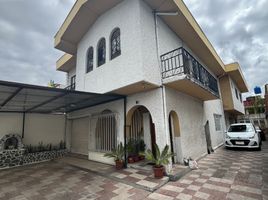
155,54
255,111
232,84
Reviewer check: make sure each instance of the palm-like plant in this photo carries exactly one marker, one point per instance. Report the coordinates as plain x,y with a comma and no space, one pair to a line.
117,153
160,158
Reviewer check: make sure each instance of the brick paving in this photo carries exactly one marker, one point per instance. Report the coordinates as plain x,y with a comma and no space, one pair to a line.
52,180
139,178
226,174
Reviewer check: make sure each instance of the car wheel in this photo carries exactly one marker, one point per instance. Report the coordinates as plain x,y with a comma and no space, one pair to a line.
259,148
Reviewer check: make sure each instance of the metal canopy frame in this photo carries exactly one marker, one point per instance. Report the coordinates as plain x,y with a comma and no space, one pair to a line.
25,98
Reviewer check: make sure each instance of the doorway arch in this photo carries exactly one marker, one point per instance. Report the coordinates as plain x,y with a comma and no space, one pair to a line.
140,126
174,134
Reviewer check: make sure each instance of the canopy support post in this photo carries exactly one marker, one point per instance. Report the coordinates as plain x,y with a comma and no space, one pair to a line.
23,124
125,130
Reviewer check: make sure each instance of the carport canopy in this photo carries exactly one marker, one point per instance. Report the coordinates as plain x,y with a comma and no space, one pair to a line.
25,98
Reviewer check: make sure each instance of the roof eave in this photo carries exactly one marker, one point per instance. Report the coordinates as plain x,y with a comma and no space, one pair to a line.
235,72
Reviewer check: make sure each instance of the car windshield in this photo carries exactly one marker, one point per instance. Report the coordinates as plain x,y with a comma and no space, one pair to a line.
240,128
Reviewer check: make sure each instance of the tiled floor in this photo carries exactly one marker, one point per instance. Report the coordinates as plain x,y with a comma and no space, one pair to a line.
226,174
139,178
52,180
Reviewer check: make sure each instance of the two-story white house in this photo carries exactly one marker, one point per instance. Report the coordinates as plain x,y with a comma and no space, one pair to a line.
154,53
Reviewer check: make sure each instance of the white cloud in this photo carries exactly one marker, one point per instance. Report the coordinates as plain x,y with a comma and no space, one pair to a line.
238,30
27,51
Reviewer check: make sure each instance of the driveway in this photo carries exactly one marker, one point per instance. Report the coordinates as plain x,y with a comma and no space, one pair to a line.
226,174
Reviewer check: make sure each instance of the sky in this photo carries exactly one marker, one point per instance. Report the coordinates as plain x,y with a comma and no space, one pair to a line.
238,31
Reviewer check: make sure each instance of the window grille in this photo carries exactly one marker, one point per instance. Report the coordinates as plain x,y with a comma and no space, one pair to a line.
90,54
137,125
115,43
101,52
217,119
106,137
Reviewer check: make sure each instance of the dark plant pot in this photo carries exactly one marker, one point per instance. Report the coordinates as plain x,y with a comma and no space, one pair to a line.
130,159
158,171
141,157
119,164
136,158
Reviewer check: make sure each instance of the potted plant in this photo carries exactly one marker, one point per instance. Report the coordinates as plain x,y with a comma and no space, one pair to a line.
118,155
142,146
159,159
131,150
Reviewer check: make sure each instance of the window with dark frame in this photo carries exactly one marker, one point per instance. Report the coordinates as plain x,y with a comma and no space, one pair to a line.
90,55
101,52
115,43
72,86
240,96
217,120
236,93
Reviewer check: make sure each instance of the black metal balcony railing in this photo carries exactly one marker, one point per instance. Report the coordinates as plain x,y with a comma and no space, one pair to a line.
181,62
70,87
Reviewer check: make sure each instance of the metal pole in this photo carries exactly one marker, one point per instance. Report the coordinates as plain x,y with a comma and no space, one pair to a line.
125,130
23,125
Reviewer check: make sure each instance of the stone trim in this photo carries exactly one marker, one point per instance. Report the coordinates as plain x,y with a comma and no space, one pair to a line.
13,158
6,137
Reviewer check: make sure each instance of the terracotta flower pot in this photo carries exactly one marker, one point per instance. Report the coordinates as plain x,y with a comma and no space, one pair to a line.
130,159
119,164
159,171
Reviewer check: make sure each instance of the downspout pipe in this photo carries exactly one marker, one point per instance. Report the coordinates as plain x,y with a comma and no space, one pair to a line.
23,125
125,130
163,89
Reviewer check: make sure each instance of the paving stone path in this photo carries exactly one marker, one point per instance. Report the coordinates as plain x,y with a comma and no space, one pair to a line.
226,174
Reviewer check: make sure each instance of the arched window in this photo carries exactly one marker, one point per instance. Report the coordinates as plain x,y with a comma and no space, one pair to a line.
101,52
90,59
115,43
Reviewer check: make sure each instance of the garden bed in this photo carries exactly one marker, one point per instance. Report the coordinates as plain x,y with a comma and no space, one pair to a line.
31,154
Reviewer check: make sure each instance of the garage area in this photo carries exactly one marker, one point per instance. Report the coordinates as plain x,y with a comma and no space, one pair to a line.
38,115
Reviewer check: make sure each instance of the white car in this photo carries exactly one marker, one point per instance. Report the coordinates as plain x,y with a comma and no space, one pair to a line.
243,135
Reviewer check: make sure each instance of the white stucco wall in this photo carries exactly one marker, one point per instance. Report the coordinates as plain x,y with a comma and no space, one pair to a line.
138,60
210,108
122,70
10,123
152,100
38,128
116,107
190,112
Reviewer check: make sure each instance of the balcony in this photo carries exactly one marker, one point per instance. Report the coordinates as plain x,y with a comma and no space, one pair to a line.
66,63
181,71
70,87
